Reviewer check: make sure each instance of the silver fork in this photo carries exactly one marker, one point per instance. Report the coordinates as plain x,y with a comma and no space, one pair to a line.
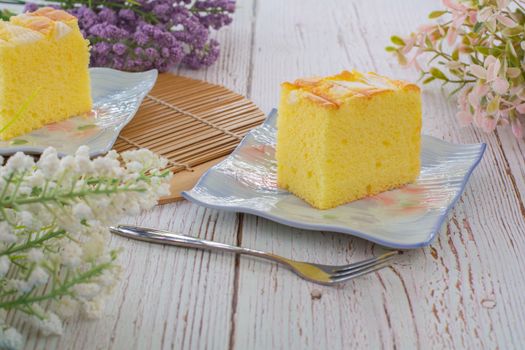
323,274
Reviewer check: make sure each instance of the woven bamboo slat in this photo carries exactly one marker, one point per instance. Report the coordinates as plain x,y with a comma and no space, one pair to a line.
193,123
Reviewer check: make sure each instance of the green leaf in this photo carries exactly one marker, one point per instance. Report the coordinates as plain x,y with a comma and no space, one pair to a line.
510,32
493,105
477,27
436,14
19,142
329,216
397,40
428,80
509,49
511,54
401,58
485,51
436,73
87,126
390,49
455,54
456,72
496,51
428,43
6,14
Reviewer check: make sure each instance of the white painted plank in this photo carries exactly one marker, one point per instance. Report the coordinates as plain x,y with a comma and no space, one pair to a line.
447,295
465,291
168,297
172,297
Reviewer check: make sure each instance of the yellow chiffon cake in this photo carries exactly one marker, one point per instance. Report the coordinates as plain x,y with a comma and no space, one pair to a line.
347,136
43,71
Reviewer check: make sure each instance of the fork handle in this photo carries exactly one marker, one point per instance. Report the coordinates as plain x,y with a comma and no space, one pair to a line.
165,237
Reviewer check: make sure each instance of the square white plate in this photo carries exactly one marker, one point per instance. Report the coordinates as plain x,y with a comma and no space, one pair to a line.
405,218
116,98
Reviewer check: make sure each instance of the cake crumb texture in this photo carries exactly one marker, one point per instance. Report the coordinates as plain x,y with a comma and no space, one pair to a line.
348,136
44,75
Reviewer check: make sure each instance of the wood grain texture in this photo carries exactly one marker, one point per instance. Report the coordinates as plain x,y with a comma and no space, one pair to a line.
192,123
463,291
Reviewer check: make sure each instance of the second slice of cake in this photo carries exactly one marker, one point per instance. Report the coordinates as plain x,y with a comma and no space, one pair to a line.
348,136
44,75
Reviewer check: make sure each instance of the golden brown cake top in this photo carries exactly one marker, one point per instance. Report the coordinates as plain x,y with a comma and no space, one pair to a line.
32,26
333,90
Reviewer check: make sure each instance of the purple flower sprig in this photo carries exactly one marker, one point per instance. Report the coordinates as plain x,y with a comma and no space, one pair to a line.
138,35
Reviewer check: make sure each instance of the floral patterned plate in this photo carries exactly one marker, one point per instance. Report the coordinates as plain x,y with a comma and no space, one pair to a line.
409,217
116,97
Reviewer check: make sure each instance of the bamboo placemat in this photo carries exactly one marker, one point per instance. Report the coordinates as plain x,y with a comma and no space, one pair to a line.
194,124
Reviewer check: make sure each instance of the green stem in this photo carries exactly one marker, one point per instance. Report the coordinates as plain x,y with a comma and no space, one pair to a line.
66,196
519,5
57,292
460,81
439,53
17,187
7,183
33,243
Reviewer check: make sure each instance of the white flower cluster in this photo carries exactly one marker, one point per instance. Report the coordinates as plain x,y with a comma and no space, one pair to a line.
54,215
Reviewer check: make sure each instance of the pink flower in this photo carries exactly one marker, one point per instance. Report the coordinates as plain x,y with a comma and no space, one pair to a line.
453,6
473,16
495,94
521,108
490,69
460,13
489,124
490,72
463,100
478,71
477,93
488,16
513,72
502,4
464,115
427,28
506,21
479,117
429,33
409,44
465,118
492,66
452,35
485,14
500,85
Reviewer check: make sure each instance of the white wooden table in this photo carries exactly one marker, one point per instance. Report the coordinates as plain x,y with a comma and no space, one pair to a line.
466,290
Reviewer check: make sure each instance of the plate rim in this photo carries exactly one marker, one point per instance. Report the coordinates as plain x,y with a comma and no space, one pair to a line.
154,76
37,150
322,227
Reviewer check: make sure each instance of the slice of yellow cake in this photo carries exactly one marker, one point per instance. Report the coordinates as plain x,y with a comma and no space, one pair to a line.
44,74
347,136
